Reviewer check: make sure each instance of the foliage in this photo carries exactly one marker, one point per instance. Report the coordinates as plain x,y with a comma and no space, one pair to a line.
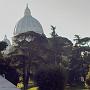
50,77
80,59
53,34
60,46
3,45
85,40
87,83
77,39
81,41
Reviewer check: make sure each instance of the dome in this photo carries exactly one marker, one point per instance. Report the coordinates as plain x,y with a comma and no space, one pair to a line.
28,23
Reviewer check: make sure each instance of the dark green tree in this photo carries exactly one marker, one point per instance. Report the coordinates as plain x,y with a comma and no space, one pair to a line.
30,45
3,46
81,41
77,39
85,41
80,58
59,45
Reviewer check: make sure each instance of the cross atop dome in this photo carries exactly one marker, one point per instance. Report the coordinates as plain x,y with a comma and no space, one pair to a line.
27,11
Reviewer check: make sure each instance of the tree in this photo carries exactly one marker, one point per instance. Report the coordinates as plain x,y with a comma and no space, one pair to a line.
59,45
80,57
81,41
3,46
77,39
31,45
53,34
85,41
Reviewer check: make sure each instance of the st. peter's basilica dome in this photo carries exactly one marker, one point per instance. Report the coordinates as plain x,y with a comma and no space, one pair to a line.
28,23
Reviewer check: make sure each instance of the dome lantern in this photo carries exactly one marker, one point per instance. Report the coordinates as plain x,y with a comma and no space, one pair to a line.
27,11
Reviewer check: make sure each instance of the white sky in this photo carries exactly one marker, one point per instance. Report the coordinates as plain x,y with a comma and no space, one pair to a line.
69,16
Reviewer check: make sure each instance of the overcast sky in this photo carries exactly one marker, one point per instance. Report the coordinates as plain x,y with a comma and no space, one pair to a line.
69,16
